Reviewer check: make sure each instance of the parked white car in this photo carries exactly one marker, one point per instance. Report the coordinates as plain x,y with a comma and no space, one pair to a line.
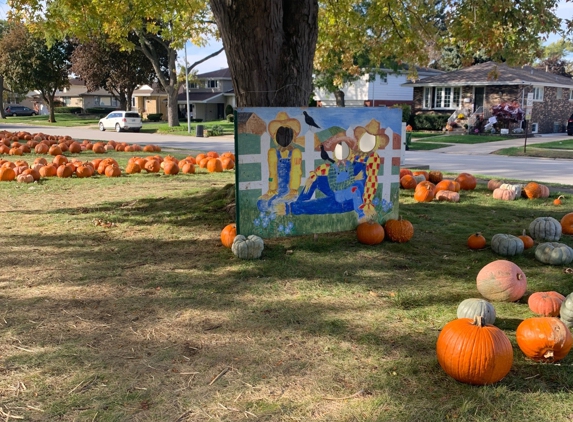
120,121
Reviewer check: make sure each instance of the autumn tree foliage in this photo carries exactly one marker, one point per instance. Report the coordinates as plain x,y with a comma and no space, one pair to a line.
101,64
29,63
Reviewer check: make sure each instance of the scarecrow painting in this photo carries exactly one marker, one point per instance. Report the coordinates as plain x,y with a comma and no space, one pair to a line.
284,162
317,170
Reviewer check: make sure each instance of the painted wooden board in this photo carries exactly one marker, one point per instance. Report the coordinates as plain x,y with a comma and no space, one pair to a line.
315,170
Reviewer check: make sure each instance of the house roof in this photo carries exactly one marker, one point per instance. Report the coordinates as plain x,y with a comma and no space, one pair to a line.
198,97
146,90
492,73
216,74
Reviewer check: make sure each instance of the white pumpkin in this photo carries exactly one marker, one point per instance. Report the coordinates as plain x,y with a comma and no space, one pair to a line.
247,247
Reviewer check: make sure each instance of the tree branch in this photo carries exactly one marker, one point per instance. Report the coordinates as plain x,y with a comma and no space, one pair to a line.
204,59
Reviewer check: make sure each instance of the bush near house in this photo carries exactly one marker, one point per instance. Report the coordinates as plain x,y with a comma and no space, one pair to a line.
155,117
71,110
429,121
100,110
406,111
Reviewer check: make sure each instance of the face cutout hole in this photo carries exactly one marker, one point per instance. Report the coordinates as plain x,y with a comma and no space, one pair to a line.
284,136
367,143
341,151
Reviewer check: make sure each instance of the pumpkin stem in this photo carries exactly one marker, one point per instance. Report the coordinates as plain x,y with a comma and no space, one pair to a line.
548,354
524,233
561,197
479,321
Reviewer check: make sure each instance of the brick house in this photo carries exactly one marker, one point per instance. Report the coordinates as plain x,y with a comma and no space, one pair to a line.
477,88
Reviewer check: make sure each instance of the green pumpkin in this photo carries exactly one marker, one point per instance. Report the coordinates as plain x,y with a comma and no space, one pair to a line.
471,308
566,313
247,247
506,244
545,228
554,253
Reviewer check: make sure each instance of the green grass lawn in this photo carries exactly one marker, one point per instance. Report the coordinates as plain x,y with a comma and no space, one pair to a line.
465,139
565,144
534,151
425,146
120,304
62,120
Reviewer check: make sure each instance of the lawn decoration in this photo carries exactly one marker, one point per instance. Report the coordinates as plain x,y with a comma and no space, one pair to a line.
501,281
546,303
370,233
567,223
544,339
566,311
470,308
476,241
457,351
506,244
545,228
554,253
507,112
399,230
247,247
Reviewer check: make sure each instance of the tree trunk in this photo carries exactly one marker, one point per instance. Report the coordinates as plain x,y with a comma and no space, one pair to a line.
270,47
169,83
339,95
49,100
2,113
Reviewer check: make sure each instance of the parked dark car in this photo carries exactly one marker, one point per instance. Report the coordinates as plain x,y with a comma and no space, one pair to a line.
17,110
570,126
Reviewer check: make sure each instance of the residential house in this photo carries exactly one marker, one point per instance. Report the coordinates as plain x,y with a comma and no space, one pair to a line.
478,88
385,89
77,95
150,99
209,96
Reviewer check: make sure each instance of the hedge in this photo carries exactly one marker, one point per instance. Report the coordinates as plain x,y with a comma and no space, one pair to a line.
430,121
154,117
100,110
71,110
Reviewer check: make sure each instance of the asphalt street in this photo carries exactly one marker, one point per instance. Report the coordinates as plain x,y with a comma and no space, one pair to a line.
476,158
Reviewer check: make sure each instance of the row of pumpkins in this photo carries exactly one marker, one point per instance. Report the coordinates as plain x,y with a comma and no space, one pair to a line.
60,166
545,230
546,338
20,143
431,185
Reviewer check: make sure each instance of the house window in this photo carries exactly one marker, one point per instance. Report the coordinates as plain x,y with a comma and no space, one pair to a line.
427,100
67,101
537,93
571,94
559,93
212,84
193,85
96,101
133,102
447,97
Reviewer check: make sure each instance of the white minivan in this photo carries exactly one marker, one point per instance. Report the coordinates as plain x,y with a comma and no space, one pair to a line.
121,120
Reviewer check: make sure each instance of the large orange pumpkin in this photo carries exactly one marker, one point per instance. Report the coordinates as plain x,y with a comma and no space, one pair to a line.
64,171
170,167
474,353
188,168
532,190
214,165
55,150
370,233
41,148
228,235
48,171
404,172
112,171
466,181
228,163
408,182
7,174
567,223
133,168
544,339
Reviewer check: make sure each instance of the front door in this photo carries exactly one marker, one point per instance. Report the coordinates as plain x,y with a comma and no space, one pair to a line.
479,95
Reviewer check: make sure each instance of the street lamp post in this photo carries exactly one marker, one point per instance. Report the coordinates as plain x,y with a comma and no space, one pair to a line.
187,91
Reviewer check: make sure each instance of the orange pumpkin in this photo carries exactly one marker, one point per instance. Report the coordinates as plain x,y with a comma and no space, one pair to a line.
60,160
408,182
112,171
228,235
422,173
188,168
7,174
228,163
445,184
558,201
546,303
399,230
476,241
501,280
466,181
170,168
370,233
404,172
456,351
41,148
84,171
214,165
152,166
567,223
75,148
133,168
64,171
435,176
544,339
212,154
424,192
532,190
48,171
527,240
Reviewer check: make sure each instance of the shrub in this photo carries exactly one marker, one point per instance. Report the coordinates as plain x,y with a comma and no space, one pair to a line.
228,110
100,110
217,130
71,110
196,120
406,111
154,117
230,118
430,121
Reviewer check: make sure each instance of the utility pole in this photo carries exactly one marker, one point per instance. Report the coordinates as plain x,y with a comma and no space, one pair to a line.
187,91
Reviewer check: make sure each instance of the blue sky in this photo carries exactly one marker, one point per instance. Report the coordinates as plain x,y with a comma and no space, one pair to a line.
564,10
